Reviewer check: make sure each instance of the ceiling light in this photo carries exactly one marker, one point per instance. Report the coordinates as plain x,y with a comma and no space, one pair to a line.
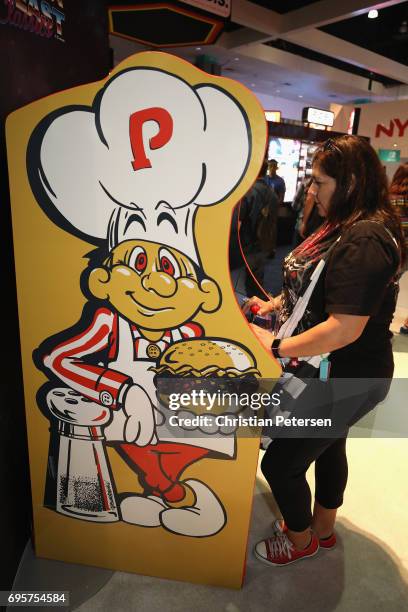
198,48
300,96
236,59
395,144
373,14
403,29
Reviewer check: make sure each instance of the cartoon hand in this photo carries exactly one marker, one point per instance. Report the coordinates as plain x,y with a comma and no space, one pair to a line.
159,417
140,424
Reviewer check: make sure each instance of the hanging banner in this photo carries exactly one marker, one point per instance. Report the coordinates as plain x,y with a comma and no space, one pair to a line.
219,7
122,193
45,19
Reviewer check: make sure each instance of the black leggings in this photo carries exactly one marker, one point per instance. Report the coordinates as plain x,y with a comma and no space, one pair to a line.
284,466
287,460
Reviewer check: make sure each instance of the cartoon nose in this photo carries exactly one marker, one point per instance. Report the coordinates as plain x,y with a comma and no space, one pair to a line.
161,283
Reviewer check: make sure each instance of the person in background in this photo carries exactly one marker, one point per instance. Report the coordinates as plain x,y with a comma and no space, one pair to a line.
298,206
308,218
275,181
399,199
348,316
257,226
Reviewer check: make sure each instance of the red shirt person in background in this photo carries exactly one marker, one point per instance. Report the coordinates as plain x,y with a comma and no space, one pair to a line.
399,198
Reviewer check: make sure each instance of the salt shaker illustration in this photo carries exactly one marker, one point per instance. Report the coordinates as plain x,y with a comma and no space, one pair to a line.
84,487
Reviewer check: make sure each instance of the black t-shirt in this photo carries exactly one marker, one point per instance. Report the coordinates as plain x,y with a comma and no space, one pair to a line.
360,279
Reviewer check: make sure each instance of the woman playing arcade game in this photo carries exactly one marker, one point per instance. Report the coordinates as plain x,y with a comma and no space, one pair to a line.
348,316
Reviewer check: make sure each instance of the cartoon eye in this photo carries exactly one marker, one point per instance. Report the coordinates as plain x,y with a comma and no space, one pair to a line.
168,263
138,260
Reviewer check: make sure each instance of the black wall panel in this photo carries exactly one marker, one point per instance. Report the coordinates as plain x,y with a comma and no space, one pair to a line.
41,53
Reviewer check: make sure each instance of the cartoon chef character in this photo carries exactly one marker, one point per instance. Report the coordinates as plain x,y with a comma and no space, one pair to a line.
136,167
149,296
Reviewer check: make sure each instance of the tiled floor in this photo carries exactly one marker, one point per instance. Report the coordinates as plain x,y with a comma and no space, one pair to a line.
367,572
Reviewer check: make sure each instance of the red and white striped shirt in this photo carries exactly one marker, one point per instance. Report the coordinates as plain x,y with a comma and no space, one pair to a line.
102,384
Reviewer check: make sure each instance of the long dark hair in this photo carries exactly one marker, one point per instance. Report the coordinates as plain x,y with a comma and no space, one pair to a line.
361,185
399,183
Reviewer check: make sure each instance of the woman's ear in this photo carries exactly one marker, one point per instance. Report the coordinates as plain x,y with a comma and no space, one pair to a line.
98,283
212,295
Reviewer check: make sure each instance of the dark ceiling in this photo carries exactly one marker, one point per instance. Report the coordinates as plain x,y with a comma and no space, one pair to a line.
381,35
385,35
283,6
330,61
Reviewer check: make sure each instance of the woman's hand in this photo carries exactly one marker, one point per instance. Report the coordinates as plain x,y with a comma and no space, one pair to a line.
302,230
265,337
264,307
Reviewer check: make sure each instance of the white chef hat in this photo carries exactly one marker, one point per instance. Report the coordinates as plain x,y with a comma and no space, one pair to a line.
85,166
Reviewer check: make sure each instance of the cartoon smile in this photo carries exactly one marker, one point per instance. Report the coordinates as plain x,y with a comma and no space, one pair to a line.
144,310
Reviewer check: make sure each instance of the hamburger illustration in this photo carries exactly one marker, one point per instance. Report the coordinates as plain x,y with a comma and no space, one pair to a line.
201,358
215,365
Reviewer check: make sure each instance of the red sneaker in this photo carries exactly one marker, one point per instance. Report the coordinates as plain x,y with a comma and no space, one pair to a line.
328,543
279,550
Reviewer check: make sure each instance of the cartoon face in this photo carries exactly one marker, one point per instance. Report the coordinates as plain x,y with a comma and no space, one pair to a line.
154,286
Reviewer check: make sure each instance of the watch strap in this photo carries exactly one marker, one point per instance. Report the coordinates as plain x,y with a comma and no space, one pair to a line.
275,348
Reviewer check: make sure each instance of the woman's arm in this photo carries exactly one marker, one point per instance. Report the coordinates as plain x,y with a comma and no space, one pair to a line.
277,302
337,331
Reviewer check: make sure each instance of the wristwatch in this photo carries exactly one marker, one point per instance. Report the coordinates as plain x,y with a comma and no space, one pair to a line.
275,348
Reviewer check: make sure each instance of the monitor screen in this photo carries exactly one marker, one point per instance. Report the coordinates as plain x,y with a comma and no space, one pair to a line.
286,152
274,116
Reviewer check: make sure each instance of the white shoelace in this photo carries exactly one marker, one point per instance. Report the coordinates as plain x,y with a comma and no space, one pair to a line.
280,545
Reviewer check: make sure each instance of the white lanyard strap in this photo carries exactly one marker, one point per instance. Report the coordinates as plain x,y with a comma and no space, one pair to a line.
287,329
290,325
